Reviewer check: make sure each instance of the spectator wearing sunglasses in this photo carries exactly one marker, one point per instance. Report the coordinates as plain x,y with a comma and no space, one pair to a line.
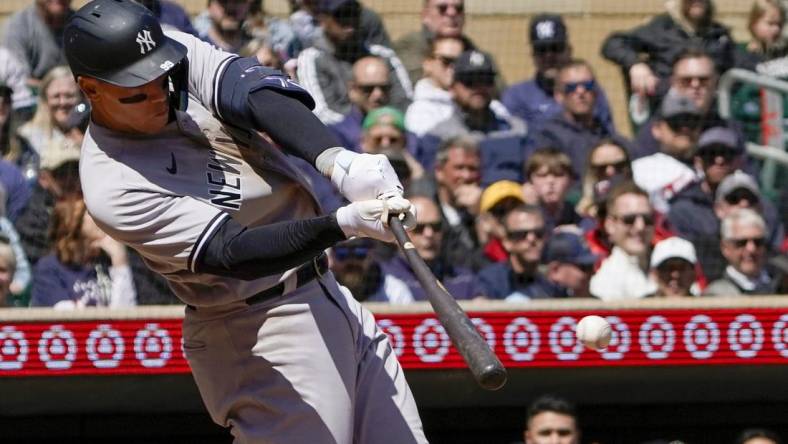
576,129
427,237
569,263
743,244
357,268
646,53
665,173
629,224
673,268
694,75
607,160
326,68
532,100
519,279
432,100
497,199
740,190
439,18
549,172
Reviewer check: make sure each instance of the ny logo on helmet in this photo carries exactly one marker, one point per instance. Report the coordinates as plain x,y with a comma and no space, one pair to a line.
146,41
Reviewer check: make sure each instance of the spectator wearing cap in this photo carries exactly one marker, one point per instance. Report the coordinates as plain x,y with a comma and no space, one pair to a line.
519,279
439,18
325,69
646,53
432,100
629,224
576,129
549,172
427,237
672,268
743,244
34,34
384,133
369,89
497,199
740,190
473,91
693,75
664,174
533,100
569,264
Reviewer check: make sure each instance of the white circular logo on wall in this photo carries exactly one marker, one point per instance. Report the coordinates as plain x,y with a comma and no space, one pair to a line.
620,341
57,348
745,336
485,330
430,341
394,332
657,337
521,339
563,342
13,348
780,335
105,346
153,346
701,337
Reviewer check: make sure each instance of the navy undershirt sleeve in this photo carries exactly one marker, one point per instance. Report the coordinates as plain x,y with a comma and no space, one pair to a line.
251,253
290,124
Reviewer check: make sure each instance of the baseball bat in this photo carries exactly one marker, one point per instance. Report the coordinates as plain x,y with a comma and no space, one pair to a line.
481,360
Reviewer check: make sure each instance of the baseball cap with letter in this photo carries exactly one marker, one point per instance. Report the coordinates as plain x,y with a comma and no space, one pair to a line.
119,42
474,66
548,30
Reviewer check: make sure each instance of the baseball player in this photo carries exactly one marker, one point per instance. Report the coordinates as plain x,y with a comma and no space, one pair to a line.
183,161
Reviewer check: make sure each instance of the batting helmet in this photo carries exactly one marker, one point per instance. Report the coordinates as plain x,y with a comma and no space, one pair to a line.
120,42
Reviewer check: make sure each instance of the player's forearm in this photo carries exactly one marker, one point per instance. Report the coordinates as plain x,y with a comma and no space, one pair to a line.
250,253
290,124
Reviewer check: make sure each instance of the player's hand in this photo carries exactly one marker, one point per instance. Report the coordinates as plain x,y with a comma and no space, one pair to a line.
369,218
364,176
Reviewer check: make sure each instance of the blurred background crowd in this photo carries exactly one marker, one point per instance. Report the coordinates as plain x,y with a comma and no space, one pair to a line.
525,188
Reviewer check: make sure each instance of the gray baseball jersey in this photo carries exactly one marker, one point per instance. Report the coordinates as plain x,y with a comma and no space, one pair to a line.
163,195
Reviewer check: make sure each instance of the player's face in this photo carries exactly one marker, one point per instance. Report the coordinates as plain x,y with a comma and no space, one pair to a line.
552,428
141,110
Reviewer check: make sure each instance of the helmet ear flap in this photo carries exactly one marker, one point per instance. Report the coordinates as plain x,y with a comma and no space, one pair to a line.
179,79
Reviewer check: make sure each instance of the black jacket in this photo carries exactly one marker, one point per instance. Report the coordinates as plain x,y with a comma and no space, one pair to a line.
659,41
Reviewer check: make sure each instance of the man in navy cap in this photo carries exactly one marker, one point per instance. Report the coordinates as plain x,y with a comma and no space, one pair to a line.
532,100
569,264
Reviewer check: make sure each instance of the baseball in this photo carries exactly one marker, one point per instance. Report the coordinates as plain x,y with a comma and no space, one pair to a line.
594,332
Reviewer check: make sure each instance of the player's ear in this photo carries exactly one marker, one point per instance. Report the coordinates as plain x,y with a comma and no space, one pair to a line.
89,87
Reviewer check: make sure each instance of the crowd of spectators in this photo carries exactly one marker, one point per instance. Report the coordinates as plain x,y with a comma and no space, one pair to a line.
527,191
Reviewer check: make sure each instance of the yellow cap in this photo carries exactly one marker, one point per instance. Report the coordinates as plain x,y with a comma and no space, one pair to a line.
499,191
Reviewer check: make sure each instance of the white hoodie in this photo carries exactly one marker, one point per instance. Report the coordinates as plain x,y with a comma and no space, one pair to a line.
431,106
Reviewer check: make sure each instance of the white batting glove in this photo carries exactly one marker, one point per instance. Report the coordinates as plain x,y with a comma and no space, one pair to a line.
364,176
369,218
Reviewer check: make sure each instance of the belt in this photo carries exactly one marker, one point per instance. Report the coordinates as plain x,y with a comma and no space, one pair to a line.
305,274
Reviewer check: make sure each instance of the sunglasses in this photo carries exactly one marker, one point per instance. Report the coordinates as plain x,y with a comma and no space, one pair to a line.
443,8
445,60
345,253
434,226
571,87
630,219
554,48
687,81
600,170
740,194
741,243
518,235
710,155
385,88
684,121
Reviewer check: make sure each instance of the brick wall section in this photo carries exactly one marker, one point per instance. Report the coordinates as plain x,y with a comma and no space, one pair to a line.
500,26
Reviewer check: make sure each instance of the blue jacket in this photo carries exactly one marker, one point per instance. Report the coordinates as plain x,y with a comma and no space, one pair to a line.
17,189
499,282
574,140
54,282
534,103
459,282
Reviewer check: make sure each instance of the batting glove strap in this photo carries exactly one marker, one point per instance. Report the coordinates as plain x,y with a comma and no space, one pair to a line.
369,218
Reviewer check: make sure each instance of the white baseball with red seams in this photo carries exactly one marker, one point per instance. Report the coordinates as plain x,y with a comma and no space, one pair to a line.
594,332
